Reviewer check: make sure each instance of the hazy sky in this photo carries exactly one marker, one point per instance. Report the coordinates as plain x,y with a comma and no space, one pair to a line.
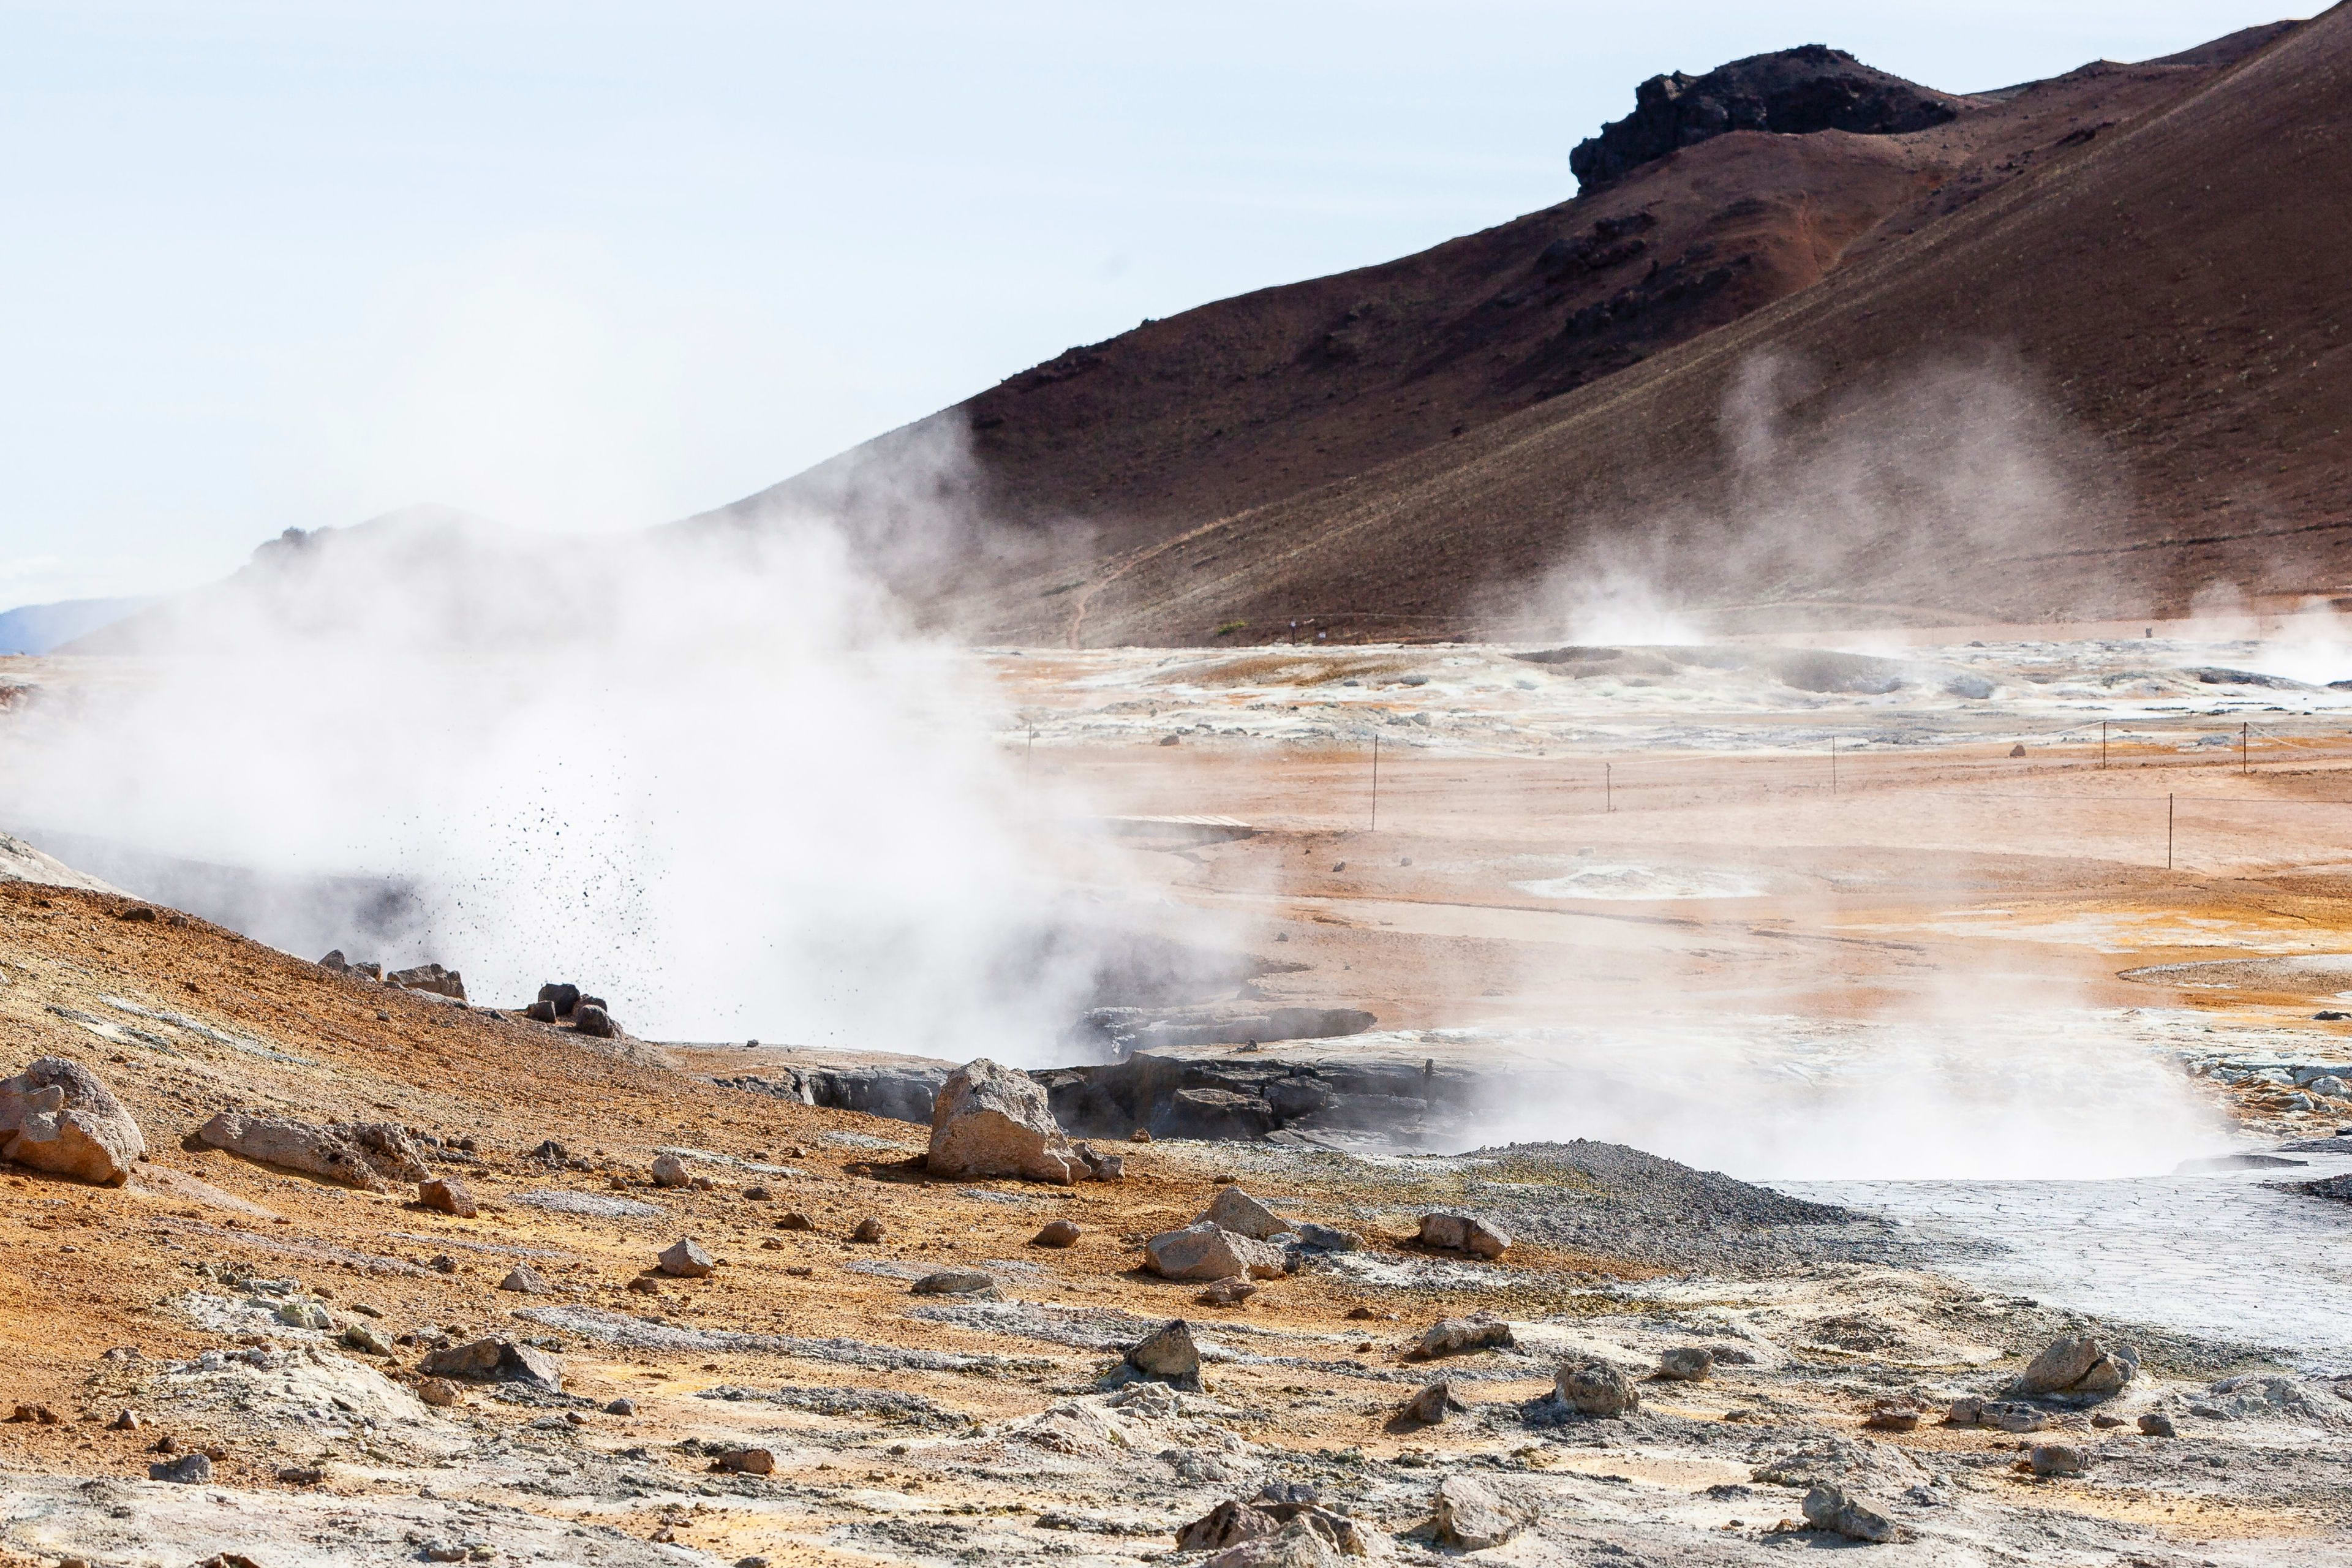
587,266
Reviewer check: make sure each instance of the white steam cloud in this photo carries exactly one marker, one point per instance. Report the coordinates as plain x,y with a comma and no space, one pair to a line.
707,774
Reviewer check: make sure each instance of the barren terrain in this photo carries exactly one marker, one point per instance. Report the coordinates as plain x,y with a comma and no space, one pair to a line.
1717,926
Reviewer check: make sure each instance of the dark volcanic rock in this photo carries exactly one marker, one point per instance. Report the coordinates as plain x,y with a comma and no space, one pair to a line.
1790,92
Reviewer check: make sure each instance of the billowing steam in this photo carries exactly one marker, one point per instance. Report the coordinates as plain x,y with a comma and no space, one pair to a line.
708,774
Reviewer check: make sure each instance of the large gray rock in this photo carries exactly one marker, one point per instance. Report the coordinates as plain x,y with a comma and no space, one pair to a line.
1827,1507
429,977
1452,1336
685,1259
1242,1214
1685,1364
1463,1232
506,1361
55,1116
369,1155
990,1120
2077,1367
1596,1388
1307,1541
1209,1251
1472,1516
1167,1355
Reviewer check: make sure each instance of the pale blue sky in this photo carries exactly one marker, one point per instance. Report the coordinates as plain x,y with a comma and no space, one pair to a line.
588,266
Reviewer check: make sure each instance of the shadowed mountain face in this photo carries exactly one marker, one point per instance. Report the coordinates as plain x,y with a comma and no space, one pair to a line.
1411,448
1793,93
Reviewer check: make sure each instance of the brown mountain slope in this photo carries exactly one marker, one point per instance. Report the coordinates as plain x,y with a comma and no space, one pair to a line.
2099,388
1277,394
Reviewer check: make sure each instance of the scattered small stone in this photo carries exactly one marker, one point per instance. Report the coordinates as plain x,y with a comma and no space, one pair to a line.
187,1470
1433,1403
1596,1388
1233,1291
1140,1136
2003,1415
443,1264
1893,1417
1167,1355
1361,1314
136,912
869,1231
685,1259
301,1475
2156,1424
1828,1507
1687,1363
366,1341
757,1194
540,1012
644,1285
620,1407
447,1194
795,1220
669,1171
1055,1233
801,1271
748,1462
1329,1239
526,1280
2104,1421
955,1282
126,1421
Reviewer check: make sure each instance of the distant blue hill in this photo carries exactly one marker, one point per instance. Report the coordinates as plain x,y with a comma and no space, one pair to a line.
38,628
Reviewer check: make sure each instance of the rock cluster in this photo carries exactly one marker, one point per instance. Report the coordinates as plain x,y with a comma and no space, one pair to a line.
55,1116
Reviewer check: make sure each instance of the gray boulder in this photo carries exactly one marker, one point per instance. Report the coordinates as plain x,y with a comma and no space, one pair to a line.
990,1120
369,1154
55,1116
669,1171
685,1259
1463,1232
1596,1388
1827,1507
1242,1214
430,977
1452,1336
1433,1403
2058,1459
1328,1239
955,1282
1472,1516
505,1361
1167,1355
2079,1366
187,1470
1207,1251
591,1019
1685,1364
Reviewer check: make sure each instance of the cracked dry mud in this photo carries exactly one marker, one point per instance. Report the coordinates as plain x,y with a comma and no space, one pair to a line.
917,1429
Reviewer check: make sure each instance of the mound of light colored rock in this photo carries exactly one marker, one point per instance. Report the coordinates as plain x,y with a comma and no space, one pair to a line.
2078,1366
363,1153
990,1120
55,1116
1208,1251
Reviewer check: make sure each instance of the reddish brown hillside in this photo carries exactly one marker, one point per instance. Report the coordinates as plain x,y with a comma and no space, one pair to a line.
2101,387
1281,395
